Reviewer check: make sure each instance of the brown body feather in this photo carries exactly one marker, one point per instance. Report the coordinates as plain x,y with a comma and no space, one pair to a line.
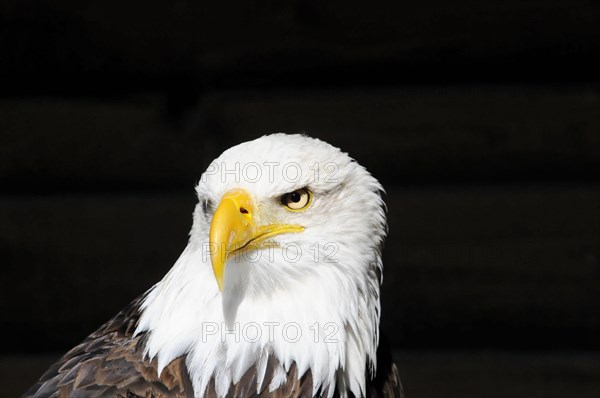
110,363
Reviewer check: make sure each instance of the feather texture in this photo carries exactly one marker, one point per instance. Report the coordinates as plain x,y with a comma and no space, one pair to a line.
110,363
160,345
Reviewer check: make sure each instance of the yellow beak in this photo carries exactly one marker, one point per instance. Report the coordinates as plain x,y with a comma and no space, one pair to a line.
233,231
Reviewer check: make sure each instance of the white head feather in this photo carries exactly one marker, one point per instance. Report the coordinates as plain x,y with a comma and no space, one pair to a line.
313,300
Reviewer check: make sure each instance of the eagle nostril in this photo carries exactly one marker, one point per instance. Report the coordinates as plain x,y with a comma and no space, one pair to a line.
243,210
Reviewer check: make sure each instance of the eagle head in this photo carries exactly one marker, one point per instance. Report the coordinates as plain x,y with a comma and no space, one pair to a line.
282,269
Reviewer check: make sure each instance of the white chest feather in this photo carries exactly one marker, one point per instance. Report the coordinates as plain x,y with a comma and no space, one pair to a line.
320,321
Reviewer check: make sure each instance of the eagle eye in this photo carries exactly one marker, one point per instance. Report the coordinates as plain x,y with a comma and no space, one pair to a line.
297,200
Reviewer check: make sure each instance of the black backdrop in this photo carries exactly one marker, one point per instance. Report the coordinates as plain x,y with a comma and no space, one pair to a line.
481,119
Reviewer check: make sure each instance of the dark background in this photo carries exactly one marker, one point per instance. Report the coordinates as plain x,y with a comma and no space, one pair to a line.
481,119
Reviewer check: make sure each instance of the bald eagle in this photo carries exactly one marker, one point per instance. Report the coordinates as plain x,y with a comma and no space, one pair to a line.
277,293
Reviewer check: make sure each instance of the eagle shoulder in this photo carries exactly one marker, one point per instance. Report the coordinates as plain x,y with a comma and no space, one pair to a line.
110,362
386,382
